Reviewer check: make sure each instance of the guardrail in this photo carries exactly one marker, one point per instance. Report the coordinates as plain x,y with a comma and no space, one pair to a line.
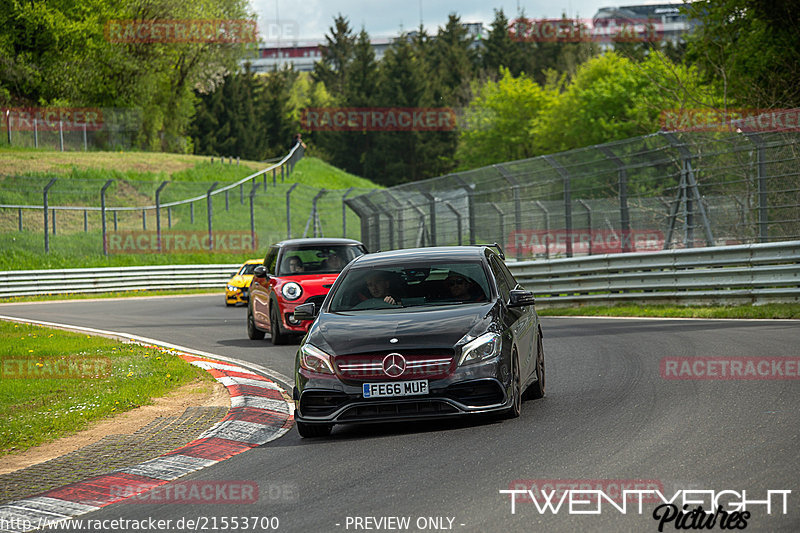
752,273
755,273
92,280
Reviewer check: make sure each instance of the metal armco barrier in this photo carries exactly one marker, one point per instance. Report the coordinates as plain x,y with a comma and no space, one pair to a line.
752,273
755,273
95,280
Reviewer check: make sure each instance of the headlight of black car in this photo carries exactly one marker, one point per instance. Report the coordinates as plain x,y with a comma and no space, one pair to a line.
484,347
315,360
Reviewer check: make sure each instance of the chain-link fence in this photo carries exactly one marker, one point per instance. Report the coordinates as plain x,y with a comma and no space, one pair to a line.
146,216
660,191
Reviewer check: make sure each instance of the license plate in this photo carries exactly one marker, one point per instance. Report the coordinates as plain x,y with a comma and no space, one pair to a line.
395,388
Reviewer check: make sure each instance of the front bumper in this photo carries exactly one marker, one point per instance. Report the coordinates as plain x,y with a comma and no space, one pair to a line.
449,397
239,295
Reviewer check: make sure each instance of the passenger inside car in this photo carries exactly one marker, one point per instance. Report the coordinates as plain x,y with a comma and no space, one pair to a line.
380,286
463,289
295,264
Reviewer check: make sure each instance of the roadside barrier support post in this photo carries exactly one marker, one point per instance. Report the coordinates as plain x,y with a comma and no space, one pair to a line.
85,140
458,219
500,221
517,201
191,213
19,215
588,222
431,215
470,206
567,199
252,214
209,212
61,133
624,213
85,222
158,214
541,206
36,133
144,220
226,200
46,235
103,215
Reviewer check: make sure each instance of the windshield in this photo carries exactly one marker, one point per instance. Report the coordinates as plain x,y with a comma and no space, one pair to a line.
316,259
411,286
247,270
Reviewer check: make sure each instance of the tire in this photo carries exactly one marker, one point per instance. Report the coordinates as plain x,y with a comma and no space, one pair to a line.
537,389
310,431
516,390
278,337
253,333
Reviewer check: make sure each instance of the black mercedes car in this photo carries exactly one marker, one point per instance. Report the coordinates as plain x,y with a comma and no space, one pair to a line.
417,334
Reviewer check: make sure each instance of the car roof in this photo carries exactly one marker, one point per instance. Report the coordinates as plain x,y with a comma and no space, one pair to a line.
436,253
253,261
319,241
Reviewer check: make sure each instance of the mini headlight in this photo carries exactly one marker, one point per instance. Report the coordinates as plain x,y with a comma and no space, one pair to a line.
292,291
484,347
315,360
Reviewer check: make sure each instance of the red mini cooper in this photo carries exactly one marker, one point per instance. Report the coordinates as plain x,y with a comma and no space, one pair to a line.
294,272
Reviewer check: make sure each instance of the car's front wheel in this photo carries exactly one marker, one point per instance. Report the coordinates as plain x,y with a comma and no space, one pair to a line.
536,390
516,389
313,430
278,337
253,333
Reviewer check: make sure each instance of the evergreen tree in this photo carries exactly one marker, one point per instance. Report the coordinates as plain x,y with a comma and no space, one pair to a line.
500,50
337,53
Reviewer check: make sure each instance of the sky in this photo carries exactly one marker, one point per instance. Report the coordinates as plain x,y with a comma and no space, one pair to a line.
309,20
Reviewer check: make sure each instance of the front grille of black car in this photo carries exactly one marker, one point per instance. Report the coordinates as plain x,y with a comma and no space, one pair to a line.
321,403
476,393
415,408
420,364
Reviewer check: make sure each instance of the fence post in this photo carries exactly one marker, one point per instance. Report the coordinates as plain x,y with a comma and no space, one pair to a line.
241,193
458,219
541,206
288,208
274,182
85,222
624,213
191,213
226,199
54,221
378,210
103,215
36,133
281,173
169,217
61,133
401,238
500,223
144,220
431,214
158,214
761,175
19,214
85,140
567,199
588,221
315,213
517,202
46,235
8,125
252,214
470,207
209,212
344,212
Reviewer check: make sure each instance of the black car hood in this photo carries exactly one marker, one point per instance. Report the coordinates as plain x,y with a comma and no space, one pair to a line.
431,328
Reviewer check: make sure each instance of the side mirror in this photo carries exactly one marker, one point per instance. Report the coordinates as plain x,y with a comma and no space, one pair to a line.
260,271
520,298
305,311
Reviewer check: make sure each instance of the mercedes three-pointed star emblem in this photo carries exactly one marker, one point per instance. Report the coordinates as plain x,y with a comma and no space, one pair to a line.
394,365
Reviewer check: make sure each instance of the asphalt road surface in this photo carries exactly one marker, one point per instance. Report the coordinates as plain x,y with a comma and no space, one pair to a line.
609,419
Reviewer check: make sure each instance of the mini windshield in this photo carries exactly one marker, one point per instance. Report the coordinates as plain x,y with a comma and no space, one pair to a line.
410,286
316,259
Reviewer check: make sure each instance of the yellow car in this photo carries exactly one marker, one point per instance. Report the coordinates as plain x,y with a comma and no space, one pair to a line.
236,289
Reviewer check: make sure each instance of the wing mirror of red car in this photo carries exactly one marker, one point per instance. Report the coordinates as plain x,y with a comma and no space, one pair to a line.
260,271
305,311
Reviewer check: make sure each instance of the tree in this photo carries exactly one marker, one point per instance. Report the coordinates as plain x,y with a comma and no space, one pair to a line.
337,53
499,49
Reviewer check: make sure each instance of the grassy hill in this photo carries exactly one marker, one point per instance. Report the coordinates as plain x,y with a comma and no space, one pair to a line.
80,175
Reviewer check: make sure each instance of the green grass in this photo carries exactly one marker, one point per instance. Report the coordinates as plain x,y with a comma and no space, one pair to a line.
71,247
41,403
120,294
767,311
